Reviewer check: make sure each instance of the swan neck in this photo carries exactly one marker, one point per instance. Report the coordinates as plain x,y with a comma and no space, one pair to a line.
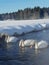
7,39
22,43
36,45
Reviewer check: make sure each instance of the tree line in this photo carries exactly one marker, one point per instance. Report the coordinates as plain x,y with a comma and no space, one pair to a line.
27,13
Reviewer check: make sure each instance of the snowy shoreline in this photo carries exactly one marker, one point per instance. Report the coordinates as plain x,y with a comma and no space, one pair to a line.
23,26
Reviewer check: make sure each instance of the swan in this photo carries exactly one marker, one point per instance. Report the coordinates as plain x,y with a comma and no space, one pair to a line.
41,44
10,39
6,38
37,45
25,43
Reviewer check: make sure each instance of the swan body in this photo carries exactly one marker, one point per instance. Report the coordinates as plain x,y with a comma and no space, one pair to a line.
11,39
41,44
28,42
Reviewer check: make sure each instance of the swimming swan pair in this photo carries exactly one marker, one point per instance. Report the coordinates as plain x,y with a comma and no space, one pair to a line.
37,45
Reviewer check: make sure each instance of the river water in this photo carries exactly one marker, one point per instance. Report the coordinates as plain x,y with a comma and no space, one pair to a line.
13,55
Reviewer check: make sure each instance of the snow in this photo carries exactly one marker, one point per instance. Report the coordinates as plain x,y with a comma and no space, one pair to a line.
20,26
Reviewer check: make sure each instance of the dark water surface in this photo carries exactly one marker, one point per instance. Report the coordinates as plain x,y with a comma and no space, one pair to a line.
13,55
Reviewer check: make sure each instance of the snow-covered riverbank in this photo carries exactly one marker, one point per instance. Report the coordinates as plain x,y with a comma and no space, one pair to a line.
20,26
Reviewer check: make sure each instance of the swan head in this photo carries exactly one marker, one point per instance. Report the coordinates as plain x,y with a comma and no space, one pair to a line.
21,43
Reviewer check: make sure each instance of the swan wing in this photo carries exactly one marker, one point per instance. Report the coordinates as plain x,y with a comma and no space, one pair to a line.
27,42
42,44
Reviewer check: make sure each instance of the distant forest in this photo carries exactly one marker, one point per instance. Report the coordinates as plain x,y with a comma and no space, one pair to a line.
27,13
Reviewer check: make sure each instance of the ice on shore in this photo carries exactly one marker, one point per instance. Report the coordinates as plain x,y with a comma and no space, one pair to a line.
20,26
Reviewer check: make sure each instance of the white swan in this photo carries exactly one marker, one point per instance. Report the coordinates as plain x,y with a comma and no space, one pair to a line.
28,42
41,44
8,38
11,39
38,45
